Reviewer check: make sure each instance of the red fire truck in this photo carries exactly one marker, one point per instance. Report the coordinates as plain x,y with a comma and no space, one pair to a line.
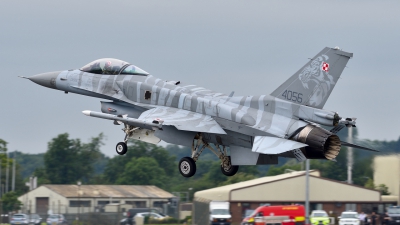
276,215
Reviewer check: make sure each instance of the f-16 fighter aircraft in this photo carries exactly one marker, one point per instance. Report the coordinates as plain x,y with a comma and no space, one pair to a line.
257,129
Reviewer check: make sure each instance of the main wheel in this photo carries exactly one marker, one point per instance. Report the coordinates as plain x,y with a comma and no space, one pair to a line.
121,148
229,170
187,167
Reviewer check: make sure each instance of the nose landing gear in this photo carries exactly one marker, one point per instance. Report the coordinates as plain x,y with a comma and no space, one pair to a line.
121,147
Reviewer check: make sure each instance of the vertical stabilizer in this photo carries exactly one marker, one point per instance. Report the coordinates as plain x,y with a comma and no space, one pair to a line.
314,82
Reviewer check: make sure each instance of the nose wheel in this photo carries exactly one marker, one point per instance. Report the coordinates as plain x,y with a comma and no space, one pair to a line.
187,167
121,148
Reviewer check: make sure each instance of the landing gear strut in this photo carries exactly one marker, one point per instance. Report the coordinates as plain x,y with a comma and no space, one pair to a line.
187,165
121,147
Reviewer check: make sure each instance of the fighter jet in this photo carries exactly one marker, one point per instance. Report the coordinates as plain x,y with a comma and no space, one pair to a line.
240,130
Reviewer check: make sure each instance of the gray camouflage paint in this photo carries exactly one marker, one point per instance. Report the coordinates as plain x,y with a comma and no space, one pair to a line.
295,104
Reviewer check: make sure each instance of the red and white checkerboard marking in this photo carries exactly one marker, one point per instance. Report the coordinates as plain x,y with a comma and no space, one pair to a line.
325,66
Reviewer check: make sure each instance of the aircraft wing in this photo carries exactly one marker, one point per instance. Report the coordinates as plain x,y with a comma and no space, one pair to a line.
182,119
273,145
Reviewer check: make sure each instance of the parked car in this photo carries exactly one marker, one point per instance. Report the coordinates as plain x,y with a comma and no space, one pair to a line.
319,217
349,218
19,219
56,219
35,219
394,214
248,212
152,215
124,221
277,214
132,213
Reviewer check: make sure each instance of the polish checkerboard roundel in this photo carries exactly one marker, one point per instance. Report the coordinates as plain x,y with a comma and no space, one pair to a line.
325,66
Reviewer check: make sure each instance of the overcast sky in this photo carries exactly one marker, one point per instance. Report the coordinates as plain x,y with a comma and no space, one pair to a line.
249,47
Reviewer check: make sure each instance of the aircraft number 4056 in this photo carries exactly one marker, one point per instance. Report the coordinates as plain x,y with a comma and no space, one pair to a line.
293,96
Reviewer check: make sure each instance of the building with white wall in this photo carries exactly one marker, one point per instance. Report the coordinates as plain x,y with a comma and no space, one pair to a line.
387,172
75,199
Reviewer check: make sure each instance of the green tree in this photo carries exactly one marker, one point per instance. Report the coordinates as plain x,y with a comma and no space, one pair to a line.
383,189
362,169
89,152
370,184
214,174
68,160
143,171
30,162
4,160
3,146
290,165
10,202
139,149
61,160
41,175
239,177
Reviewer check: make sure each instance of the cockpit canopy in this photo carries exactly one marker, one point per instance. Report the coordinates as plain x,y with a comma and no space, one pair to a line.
112,67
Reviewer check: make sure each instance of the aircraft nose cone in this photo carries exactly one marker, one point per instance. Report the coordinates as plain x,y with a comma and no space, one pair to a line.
46,79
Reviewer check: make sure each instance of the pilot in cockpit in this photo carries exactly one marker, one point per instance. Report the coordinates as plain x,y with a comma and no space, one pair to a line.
107,69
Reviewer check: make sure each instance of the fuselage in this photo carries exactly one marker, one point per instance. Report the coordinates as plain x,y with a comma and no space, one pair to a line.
258,115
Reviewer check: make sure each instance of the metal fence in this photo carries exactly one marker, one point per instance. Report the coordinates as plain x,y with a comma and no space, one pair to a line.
95,218
101,214
201,211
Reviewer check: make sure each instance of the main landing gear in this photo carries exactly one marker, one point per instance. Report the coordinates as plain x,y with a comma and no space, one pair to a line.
187,165
121,147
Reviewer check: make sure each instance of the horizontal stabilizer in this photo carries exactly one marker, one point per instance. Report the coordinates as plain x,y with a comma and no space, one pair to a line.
358,146
361,144
273,145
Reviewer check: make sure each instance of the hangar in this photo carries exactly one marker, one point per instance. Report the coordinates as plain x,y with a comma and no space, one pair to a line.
289,188
77,199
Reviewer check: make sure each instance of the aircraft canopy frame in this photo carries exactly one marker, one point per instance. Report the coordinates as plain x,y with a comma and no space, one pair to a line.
110,66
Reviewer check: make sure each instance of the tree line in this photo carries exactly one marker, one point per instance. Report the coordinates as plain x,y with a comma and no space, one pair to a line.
68,161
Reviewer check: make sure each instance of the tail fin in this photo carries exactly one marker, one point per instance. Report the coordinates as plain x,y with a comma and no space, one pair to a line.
314,82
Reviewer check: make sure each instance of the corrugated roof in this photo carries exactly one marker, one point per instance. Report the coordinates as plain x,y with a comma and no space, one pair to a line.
223,191
285,187
114,191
